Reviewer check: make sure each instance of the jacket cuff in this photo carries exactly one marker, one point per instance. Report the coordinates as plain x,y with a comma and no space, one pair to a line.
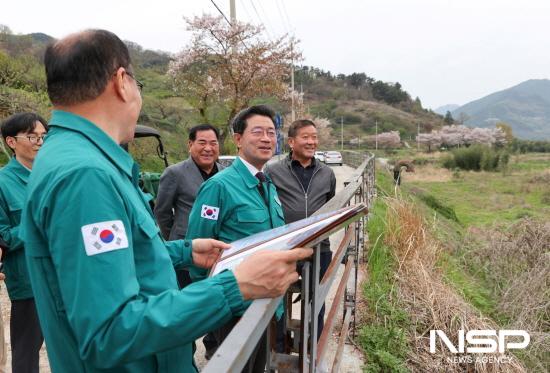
232,292
187,254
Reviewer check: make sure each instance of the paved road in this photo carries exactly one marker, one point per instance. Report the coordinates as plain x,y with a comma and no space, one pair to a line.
351,362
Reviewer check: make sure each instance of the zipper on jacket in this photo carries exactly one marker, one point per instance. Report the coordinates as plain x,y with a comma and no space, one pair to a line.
300,183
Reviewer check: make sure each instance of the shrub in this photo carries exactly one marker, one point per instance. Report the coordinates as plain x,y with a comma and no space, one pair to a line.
448,162
489,160
435,204
476,158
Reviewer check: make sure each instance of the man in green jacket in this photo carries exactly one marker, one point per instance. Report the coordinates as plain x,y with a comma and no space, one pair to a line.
241,200
23,133
102,275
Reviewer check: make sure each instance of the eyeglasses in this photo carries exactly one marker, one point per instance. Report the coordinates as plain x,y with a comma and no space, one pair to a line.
258,132
138,83
33,139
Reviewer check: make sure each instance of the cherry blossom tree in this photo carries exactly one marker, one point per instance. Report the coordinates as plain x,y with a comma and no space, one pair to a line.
324,132
431,140
500,136
458,135
225,67
389,139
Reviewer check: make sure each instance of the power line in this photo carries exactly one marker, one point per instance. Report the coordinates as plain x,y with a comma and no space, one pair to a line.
288,26
228,22
246,10
266,16
260,19
286,14
281,14
222,13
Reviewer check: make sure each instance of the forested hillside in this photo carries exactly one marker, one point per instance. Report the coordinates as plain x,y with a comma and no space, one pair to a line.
356,100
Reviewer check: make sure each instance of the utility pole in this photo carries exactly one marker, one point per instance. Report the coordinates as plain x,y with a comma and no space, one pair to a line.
233,18
417,134
342,132
293,113
232,12
376,134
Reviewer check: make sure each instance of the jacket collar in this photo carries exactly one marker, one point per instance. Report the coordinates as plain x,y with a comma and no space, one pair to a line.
112,150
315,162
249,179
18,170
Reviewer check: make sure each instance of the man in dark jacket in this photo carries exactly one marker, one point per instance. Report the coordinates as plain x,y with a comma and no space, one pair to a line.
304,184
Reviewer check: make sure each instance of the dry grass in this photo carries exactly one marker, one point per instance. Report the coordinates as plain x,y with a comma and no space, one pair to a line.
520,271
428,173
542,178
430,303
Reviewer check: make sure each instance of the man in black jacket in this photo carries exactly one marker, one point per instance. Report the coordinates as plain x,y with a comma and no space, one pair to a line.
304,184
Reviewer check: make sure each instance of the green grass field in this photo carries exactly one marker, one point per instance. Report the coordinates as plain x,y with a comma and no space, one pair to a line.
483,198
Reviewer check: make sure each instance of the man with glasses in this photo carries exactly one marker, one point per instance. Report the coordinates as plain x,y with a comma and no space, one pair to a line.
241,200
178,188
102,275
24,134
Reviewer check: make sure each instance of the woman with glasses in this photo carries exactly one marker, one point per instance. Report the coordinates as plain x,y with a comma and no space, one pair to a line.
24,134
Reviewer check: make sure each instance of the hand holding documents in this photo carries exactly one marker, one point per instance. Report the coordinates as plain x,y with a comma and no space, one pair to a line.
302,233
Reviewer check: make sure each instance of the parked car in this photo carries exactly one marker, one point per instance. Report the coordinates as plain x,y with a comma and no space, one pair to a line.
226,160
333,157
320,156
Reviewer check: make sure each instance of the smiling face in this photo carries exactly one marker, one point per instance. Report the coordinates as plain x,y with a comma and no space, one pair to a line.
305,143
257,142
26,144
205,149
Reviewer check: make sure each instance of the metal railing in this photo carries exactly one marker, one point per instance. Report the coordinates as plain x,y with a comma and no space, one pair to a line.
305,352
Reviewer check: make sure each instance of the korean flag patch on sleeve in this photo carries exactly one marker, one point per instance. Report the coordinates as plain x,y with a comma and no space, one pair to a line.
210,212
104,236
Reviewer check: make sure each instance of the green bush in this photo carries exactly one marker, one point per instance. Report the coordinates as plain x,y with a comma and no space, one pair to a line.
476,158
527,146
468,158
489,160
438,206
448,162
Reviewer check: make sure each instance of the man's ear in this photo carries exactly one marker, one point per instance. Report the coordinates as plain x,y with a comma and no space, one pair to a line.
237,138
189,144
120,84
291,142
11,142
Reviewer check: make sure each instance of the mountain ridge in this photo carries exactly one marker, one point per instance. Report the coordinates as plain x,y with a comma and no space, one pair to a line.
525,107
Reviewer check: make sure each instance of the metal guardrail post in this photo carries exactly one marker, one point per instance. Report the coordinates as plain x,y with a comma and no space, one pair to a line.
234,352
305,312
315,306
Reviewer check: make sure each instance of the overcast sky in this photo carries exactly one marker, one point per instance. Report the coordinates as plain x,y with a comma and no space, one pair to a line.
443,51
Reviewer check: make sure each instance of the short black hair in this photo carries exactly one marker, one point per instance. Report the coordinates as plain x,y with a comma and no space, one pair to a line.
297,124
21,123
79,66
202,127
238,124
